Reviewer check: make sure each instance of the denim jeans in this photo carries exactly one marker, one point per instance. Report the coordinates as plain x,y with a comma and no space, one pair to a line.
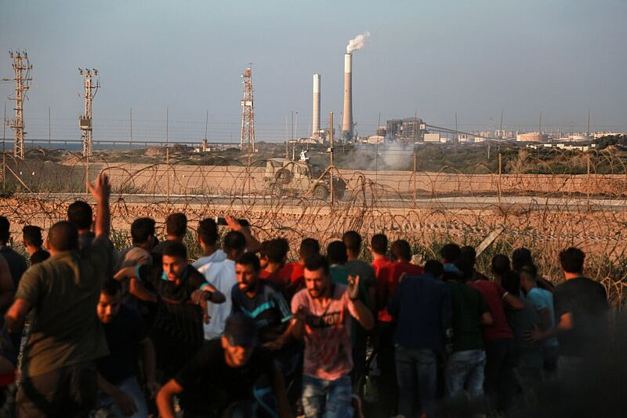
327,398
130,386
465,369
416,370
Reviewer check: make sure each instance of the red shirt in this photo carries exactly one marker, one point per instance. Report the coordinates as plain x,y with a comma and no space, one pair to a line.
273,277
493,295
292,272
383,270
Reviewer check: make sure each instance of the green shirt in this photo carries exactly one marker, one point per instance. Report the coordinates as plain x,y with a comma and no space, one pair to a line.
468,307
63,292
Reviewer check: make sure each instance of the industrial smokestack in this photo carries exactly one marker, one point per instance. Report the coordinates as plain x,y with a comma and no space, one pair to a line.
315,129
347,121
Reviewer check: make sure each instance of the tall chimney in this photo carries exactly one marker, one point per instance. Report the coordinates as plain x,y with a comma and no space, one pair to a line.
347,121
316,106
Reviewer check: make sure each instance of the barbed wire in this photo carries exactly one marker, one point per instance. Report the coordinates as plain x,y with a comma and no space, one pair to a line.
543,212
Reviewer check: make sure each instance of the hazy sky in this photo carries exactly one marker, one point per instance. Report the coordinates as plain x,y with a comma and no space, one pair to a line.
560,58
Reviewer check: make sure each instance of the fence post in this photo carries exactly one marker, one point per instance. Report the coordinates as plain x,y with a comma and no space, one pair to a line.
87,176
167,161
500,178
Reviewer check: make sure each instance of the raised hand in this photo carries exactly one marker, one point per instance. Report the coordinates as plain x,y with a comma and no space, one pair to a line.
101,190
353,287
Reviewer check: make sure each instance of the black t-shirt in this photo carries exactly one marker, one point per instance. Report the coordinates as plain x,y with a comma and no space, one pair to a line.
268,308
17,263
210,385
123,334
174,317
586,301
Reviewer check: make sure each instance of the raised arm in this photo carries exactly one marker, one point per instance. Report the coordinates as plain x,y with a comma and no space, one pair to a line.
252,244
101,192
357,309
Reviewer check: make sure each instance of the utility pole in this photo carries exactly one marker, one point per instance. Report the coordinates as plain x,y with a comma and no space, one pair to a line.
331,159
205,144
131,126
501,126
247,137
22,67
49,131
85,121
588,131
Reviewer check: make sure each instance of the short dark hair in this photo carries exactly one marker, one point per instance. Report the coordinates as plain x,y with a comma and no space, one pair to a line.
32,235
520,257
450,252
500,264
379,243
234,241
316,263
572,260
5,227
208,231
434,268
276,250
469,253
336,253
111,287
63,236
249,259
141,229
175,249
401,250
352,240
176,224
80,214
309,247
511,282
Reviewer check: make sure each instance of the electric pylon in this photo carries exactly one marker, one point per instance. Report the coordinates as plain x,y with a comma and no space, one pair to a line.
85,121
247,139
22,67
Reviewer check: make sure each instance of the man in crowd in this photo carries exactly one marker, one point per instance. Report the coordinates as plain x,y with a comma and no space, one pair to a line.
322,311
357,267
419,341
469,253
221,275
58,371
208,237
176,296
175,230
143,237
500,381
17,262
581,309
500,266
221,379
292,272
127,339
402,266
80,214
337,256
33,243
275,255
466,363
542,301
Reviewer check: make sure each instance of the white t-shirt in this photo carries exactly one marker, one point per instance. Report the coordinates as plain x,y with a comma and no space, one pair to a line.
216,257
222,276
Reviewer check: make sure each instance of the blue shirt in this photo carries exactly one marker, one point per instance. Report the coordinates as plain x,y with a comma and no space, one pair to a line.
543,299
421,306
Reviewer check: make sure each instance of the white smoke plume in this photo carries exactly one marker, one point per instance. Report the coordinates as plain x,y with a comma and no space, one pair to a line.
357,43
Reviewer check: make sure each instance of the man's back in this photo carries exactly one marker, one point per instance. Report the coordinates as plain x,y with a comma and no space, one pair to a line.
586,301
17,263
422,308
468,308
64,291
493,295
220,275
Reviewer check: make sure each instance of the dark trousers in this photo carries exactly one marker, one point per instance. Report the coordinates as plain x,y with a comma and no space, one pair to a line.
388,388
500,379
67,392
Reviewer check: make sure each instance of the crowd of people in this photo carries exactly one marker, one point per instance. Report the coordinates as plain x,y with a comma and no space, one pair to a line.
243,332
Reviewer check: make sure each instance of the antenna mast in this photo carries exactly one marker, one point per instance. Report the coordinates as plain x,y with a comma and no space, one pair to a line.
22,67
85,121
247,138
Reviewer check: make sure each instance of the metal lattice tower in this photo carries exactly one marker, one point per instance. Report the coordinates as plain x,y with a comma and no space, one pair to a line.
247,139
22,67
91,88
